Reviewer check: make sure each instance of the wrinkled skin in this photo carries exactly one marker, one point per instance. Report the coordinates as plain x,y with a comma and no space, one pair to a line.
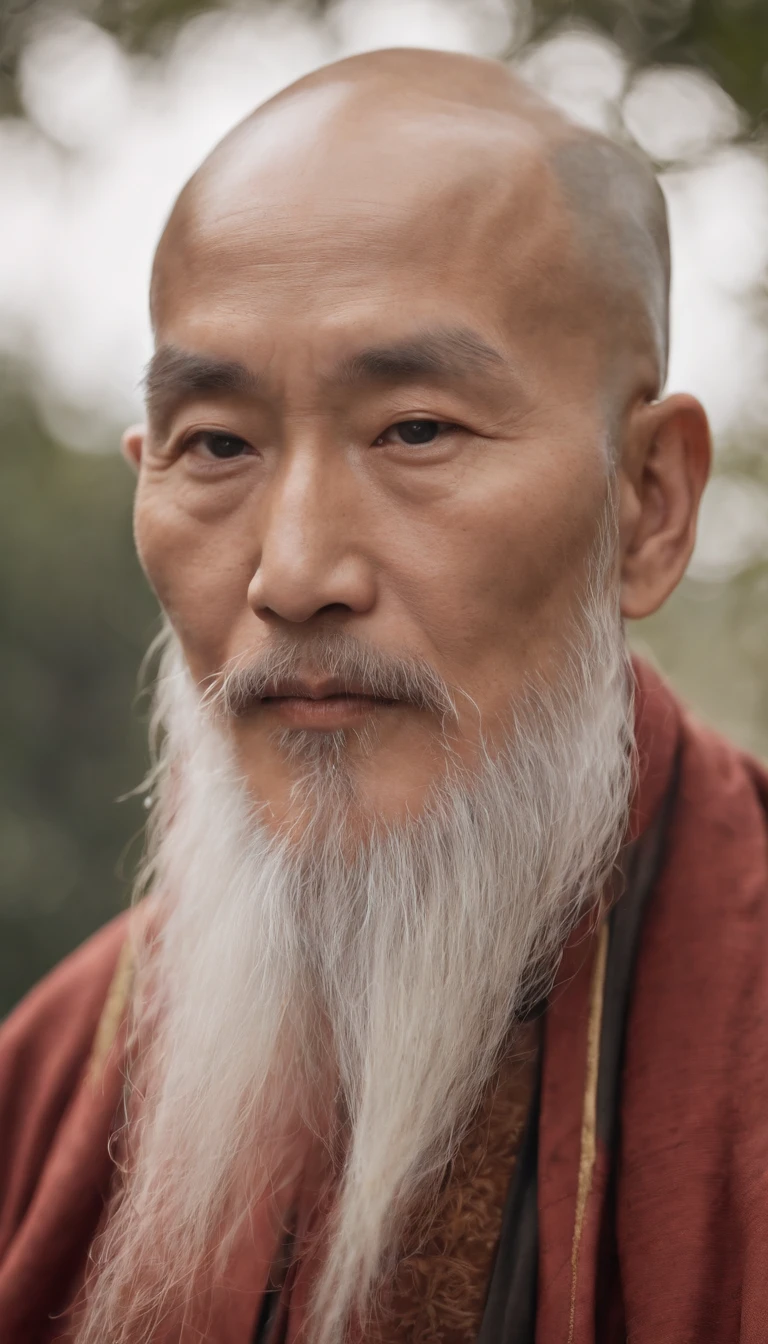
360,211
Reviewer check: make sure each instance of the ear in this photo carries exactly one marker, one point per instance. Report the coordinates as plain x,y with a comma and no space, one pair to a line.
132,445
664,468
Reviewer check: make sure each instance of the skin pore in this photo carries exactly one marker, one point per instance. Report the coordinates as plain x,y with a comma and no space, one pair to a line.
396,363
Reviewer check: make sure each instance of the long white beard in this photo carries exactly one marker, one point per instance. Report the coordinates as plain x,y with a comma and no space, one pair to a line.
395,972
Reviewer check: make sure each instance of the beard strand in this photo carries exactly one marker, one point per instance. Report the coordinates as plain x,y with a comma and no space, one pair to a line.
289,977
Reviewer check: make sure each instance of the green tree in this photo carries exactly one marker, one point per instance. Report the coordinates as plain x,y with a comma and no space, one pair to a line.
75,617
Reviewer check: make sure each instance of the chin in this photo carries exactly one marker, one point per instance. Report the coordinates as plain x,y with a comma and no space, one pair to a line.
339,785
358,780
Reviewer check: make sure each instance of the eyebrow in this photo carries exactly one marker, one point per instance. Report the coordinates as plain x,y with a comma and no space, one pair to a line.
174,376
443,354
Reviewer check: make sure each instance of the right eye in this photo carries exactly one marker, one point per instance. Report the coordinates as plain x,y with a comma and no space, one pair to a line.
215,445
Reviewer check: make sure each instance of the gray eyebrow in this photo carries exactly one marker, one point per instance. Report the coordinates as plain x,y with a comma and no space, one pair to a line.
442,354
174,376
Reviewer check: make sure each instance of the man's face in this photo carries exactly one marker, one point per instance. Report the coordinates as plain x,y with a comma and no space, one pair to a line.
410,450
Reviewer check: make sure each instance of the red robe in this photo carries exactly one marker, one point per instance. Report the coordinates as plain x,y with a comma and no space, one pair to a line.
664,1243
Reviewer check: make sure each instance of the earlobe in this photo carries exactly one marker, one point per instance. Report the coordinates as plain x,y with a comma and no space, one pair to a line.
672,456
132,445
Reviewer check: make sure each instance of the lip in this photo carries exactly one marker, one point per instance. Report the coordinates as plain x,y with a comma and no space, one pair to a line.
325,712
321,688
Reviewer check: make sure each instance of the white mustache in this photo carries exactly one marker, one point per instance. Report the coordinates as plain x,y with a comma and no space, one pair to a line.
331,659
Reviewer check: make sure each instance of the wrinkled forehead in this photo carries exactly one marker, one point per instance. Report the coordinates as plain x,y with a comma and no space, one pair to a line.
319,208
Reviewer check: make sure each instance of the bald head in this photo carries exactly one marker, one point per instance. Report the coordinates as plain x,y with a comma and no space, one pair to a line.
463,139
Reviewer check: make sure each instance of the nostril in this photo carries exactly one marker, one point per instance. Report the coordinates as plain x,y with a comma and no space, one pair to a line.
333,609
297,589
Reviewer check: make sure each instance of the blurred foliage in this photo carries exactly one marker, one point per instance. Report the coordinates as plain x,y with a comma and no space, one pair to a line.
729,38
75,613
711,638
75,620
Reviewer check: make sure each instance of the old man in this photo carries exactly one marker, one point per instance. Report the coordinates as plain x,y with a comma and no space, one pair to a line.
443,1015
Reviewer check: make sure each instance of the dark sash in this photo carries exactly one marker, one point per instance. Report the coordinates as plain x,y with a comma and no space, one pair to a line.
510,1308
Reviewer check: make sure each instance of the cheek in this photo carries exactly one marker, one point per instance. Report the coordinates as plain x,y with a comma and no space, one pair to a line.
200,582
505,571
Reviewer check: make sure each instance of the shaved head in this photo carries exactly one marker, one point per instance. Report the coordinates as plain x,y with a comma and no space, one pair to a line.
411,327
405,469
432,126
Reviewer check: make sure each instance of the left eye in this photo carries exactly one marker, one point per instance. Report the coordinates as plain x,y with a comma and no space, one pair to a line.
413,432
208,443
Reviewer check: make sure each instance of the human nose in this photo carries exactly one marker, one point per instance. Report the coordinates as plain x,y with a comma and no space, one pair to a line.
310,559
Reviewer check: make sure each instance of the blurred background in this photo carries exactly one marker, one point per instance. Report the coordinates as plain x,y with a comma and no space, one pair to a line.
106,106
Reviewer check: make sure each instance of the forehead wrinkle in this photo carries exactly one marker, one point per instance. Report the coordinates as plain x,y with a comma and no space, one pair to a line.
406,107
440,354
174,376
